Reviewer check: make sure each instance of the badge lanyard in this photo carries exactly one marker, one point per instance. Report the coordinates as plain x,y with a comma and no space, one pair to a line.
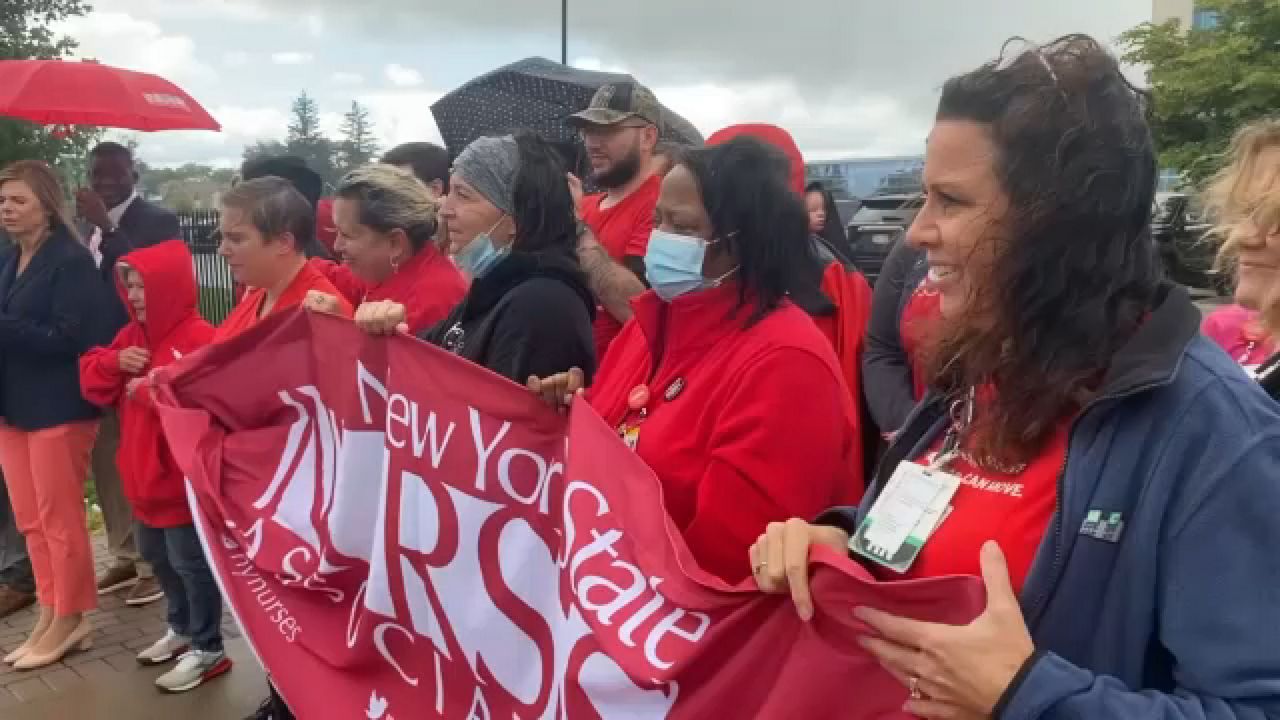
961,419
914,502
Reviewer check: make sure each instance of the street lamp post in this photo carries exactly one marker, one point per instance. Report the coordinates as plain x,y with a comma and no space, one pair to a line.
564,32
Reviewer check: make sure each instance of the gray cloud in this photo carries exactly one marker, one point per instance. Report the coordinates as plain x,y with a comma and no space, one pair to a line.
900,47
880,64
845,76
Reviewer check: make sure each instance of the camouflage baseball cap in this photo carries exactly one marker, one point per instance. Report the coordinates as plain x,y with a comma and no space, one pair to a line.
616,102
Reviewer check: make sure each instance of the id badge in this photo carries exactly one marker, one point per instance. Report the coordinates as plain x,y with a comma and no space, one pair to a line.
913,504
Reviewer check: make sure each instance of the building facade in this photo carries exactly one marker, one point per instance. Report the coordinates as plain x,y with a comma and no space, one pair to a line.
1186,12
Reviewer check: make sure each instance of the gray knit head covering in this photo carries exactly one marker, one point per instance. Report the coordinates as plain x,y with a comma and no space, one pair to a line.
489,165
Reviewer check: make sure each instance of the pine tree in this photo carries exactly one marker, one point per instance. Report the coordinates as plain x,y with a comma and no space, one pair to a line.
307,141
358,145
305,128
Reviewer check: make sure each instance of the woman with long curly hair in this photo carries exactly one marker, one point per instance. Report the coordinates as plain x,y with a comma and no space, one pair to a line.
1107,472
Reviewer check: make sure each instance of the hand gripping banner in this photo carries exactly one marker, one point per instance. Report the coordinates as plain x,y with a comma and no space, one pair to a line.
402,534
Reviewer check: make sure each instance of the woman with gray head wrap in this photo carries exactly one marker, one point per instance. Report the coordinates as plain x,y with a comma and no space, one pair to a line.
512,228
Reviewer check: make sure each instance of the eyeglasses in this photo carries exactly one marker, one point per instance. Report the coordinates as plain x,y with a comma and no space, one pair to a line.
608,131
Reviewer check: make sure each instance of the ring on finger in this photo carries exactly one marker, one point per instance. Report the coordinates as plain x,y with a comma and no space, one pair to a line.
913,685
759,566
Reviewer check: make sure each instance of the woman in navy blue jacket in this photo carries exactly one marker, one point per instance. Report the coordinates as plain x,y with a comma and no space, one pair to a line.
1110,473
50,312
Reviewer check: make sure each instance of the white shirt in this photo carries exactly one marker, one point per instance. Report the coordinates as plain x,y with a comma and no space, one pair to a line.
114,214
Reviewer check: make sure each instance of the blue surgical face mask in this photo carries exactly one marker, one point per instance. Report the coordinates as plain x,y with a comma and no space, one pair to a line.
481,255
673,264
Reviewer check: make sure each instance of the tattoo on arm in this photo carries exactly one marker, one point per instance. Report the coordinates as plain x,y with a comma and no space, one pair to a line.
614,285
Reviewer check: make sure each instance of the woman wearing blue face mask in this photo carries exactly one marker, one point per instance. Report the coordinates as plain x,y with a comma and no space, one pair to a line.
512,230
727,390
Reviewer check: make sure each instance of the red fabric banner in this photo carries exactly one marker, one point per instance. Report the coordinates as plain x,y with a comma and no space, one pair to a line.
402,534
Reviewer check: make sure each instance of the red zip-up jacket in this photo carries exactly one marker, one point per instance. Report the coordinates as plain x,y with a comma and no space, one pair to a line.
743,426
846,329
429,286
173,327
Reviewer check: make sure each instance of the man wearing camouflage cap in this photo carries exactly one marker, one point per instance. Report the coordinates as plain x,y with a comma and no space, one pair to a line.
620,129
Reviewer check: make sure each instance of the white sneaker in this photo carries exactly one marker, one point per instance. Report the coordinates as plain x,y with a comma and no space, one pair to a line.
165,649
192,670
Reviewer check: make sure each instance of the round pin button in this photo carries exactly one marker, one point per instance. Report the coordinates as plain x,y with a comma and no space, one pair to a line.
639,397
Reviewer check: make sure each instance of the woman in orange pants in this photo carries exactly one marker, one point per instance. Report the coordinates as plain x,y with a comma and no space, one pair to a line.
49,292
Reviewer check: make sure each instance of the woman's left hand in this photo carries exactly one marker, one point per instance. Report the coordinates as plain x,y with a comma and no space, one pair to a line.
956,671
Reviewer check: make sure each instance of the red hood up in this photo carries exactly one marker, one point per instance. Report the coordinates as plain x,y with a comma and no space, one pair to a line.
169,282
326,230
773,135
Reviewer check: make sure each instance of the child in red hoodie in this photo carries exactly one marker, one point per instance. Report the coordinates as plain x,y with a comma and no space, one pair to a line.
159,287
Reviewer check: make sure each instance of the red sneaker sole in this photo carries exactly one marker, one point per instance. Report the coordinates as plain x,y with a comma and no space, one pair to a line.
213,672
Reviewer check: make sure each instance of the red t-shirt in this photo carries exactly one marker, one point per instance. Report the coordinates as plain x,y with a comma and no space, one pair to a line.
1013,509
622,230
923,308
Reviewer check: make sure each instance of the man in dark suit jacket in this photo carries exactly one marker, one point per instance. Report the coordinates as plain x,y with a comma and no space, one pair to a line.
119,221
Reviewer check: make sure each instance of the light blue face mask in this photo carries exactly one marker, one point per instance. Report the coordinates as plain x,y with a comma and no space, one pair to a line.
481,255
673,264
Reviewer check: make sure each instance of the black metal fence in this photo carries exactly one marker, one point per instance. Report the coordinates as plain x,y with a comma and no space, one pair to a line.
217,288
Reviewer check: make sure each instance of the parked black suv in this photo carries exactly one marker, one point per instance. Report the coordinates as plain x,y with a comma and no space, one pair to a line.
878,225
1179,227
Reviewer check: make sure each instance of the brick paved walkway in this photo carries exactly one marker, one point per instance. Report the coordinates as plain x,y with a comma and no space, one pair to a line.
120,632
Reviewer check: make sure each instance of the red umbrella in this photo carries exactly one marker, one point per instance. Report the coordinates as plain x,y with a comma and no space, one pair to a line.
54,92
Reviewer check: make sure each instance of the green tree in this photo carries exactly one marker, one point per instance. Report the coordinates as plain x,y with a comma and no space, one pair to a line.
162,181
1207,83
358,145
27,32
264,148
307,141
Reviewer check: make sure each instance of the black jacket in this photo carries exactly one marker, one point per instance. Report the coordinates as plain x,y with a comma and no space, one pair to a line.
142,225
49,315
1269,376
529,316
886,371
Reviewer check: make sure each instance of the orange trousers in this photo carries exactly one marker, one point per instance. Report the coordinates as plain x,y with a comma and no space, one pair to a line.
45,473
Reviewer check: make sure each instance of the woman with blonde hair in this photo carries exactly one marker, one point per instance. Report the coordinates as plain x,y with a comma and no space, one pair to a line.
50,291
1244,199
386,219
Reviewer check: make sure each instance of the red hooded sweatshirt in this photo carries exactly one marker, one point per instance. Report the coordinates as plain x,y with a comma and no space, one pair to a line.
742,425
173,328
847,289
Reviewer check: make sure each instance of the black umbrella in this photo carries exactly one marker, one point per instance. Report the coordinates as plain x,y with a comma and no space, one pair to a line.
534,94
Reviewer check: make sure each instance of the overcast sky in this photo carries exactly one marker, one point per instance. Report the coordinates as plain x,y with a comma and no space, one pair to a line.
846,77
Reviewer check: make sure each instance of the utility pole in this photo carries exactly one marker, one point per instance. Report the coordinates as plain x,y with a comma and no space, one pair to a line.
564,32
